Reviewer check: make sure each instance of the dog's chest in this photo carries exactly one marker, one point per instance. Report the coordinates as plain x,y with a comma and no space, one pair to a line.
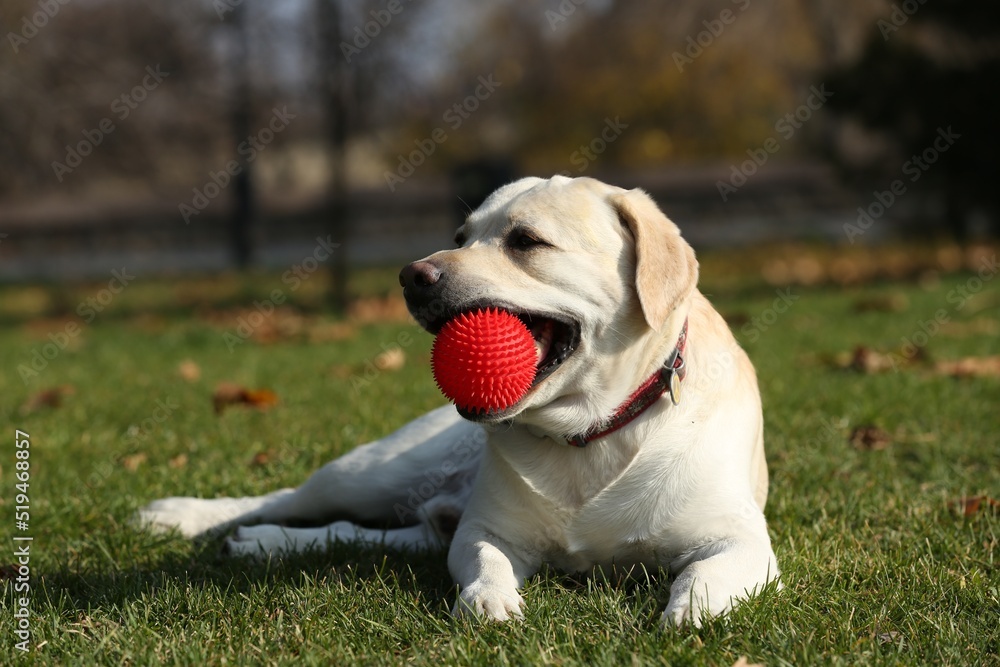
629,523
599,506
564,477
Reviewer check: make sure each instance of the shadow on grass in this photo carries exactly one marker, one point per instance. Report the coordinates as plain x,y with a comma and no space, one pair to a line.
151,567
172,563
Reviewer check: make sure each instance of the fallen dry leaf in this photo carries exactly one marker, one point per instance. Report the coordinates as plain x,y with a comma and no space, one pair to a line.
133,461
43,327
390,308
260,398
785,265
807,270
886,303
870,438
149,323
982,326
970,367
189,370
846,271
48,398
262,458
391,360
949,258
342,371
974,504
866,360
178,461
329,332
285,323
890,637
281,323
227,394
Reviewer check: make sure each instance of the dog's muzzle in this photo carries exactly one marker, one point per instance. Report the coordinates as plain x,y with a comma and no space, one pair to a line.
425,288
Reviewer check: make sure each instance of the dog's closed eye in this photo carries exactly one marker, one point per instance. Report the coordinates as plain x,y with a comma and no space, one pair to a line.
522,239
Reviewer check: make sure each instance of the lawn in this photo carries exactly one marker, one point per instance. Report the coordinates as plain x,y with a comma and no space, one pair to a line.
873,441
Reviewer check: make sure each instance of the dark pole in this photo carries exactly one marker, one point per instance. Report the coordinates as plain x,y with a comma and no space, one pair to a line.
242,186
335,90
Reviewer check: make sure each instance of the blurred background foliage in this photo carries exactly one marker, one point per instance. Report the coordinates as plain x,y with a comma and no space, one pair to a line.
698,85
561,72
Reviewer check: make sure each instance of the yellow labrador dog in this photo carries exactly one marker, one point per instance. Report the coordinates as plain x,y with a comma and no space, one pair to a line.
640,441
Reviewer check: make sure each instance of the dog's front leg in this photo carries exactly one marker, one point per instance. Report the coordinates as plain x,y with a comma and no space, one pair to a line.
489,572
714,577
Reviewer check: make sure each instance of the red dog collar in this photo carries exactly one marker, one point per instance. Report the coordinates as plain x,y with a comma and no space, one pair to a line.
666,380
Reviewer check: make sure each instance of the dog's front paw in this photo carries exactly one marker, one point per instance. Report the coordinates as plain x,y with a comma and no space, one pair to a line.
693,599
691,610
489,602
712,585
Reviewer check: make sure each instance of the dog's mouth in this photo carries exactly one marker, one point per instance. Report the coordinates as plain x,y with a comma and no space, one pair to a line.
556,339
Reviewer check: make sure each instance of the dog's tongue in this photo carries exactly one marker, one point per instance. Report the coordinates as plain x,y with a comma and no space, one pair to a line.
542,334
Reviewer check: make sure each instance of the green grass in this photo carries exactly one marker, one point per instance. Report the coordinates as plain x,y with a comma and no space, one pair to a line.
879,568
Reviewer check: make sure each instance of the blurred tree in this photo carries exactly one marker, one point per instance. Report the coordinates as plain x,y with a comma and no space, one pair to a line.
80,84
926,86
682,82
240,104
362,66
335,88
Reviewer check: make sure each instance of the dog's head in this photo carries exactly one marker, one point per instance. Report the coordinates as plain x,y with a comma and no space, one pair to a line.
598,274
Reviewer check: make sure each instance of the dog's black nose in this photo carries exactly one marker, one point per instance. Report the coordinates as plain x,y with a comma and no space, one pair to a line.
419,274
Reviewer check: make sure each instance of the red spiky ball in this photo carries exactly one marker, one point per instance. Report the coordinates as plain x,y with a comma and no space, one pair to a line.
484,360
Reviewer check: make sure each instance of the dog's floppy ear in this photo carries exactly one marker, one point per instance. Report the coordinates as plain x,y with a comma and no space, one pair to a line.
666,270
